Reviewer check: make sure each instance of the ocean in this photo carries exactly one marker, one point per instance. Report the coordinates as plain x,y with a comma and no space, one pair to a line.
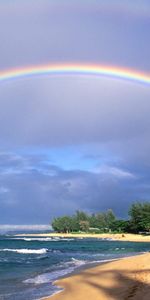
30,265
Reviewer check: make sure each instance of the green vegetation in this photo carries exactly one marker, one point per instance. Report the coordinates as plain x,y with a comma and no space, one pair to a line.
139,217
139,221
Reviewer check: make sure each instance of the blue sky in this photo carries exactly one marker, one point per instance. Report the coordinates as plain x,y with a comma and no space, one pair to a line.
73,142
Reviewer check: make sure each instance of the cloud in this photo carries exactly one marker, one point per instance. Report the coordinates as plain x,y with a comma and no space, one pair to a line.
50,130
3,190
8,228
40,195
72,142
114,171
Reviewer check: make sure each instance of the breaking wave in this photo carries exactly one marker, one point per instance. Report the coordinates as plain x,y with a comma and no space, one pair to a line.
43,239
26,251
64,269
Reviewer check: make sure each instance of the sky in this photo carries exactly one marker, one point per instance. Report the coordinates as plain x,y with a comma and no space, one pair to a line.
73,141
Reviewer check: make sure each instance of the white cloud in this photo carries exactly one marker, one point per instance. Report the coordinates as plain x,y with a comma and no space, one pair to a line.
3,190
8,227
115,172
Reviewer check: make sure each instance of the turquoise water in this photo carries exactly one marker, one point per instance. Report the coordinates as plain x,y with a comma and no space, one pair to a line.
28,266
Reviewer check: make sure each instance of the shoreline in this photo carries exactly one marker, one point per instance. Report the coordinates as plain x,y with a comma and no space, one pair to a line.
127,237
124,278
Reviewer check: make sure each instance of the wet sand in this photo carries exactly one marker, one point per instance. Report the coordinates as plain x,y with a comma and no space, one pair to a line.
124,279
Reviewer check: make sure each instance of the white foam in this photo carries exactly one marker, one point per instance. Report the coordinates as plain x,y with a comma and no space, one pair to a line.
37,239
47,239
103,260
78,262
68,267
43,239
49,277
67,239
27,251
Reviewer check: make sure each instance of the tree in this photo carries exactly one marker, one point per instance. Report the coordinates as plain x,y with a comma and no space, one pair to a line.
120,226
75,224
106,221
81,216
84,225
110,219
56,224
93,221
101,221
63,224
139,217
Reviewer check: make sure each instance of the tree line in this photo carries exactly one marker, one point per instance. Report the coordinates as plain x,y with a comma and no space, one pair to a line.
138,221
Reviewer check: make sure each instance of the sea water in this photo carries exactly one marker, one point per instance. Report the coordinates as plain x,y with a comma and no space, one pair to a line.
30,265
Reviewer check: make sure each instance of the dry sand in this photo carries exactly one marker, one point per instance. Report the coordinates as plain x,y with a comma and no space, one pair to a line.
124,279
113,236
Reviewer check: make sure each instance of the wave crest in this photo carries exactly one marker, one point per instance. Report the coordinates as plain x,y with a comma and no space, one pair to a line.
26,251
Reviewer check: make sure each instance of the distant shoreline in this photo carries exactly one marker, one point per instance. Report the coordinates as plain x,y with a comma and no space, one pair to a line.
127,237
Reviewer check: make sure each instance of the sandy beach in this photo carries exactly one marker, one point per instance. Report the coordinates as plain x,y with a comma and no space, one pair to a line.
118,236
123,279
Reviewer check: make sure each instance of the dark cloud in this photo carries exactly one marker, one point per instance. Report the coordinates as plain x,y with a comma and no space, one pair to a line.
110,120
35,195
103,122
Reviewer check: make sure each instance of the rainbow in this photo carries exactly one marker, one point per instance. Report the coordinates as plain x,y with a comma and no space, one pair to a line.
76,69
